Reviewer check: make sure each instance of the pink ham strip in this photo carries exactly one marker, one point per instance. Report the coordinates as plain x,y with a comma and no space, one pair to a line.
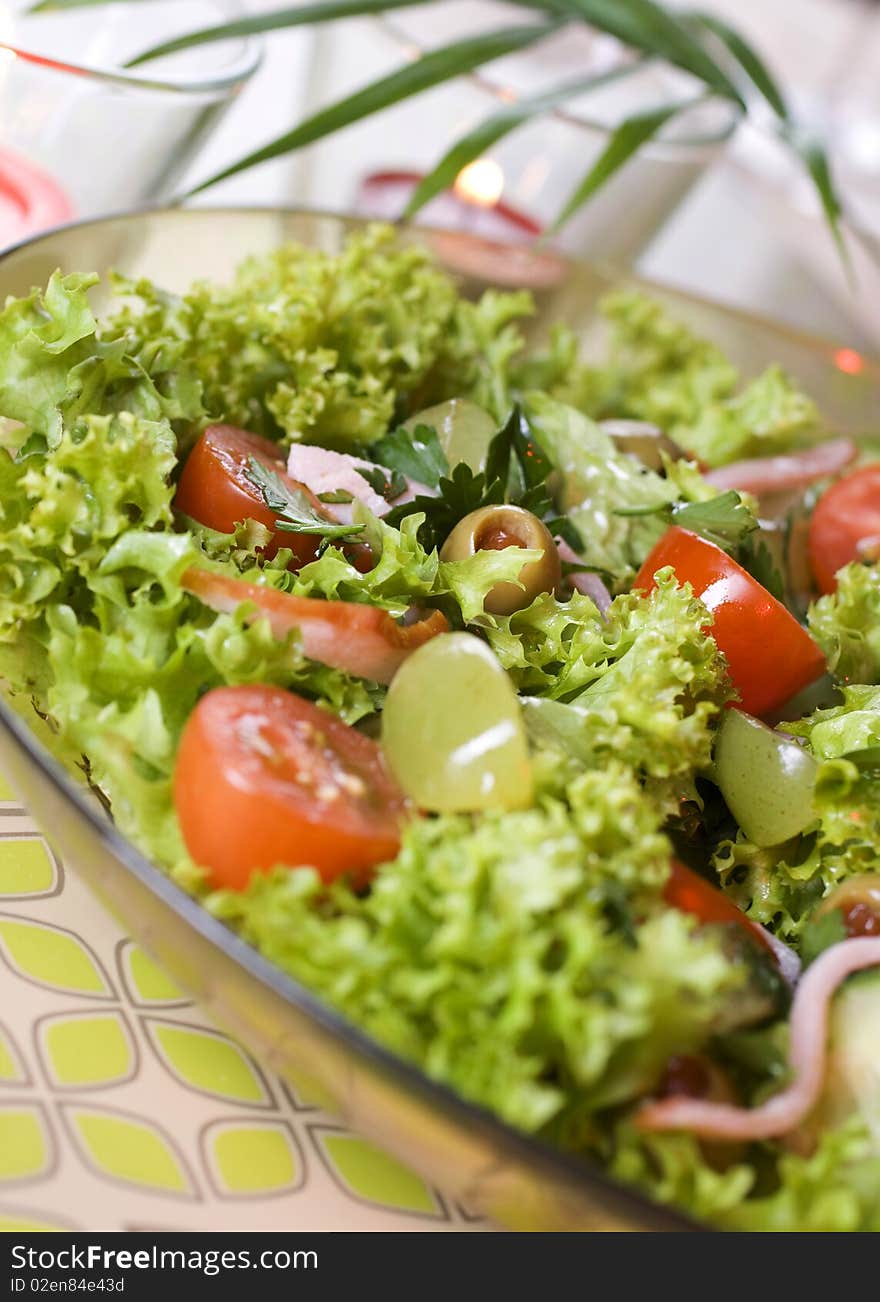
325,471
779,474
809,1034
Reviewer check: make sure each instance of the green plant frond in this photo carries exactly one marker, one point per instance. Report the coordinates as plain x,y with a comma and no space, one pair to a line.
428,70
625,140
746,56
325,11
649,28
501,124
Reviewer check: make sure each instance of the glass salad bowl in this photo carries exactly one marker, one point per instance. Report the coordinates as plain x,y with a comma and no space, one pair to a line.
518,1181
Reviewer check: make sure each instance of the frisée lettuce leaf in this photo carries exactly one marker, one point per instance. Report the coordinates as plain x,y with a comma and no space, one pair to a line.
486,953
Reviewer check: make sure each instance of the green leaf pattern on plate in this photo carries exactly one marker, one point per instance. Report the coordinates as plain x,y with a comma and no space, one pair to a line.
146,982
256,1158
205,1060
12,1069
369,1173
27,867
25,1143
88,1050
129,1149
52,956
122,1107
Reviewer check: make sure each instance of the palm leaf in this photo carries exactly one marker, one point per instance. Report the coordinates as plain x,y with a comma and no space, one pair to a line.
746,56
814,157
626,140
649,28
324,11
494,128
429,70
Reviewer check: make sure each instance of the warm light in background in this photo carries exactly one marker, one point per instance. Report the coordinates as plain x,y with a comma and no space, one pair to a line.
481,182
849,361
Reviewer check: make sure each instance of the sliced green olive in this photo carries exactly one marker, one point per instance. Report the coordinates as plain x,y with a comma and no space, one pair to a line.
766,779
858,902
493,528
464,430
452,729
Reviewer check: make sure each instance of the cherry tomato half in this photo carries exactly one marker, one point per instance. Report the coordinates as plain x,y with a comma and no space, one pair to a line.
769,655
688,892
845,525
263,778
215,489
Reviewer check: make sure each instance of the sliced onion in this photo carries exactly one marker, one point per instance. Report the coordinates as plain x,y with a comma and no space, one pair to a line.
807,1060
763,475
590,585
584,581
787,961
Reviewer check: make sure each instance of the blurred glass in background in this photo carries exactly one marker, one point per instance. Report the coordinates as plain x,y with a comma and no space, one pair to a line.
79,135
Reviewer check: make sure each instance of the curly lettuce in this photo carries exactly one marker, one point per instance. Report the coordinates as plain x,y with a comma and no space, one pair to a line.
781,885
488,952
645,684
834,1189
55,368
846,624
332,348
658,370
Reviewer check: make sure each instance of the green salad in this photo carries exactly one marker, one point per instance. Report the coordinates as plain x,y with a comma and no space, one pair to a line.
527,710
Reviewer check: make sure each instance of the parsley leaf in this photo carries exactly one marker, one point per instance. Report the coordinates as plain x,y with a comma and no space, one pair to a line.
516,472
820,934
387,486
755,556
294,510
727,522
417,454
724,520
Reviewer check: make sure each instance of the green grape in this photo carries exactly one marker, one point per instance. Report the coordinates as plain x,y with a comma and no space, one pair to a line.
766,779
452,729
464,430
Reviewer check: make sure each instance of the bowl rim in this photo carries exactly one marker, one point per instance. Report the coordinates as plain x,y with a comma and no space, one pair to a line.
627,1200
182,207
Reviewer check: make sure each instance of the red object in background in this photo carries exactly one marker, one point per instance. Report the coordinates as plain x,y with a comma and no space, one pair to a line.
386,194
30,200
769,655
478,229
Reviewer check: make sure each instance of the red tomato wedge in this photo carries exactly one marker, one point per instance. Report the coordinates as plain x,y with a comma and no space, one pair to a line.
769,655
687,891
215,489
263,777
360,640
845,525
